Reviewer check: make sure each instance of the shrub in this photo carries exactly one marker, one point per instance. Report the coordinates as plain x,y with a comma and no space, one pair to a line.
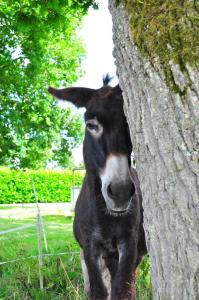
51,186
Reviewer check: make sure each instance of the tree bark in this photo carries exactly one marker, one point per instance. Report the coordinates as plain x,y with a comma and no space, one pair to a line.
164,131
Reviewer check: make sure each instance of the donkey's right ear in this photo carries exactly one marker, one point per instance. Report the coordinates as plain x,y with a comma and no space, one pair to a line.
77,95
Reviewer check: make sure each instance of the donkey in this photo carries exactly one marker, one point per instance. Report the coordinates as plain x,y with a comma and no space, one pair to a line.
108,222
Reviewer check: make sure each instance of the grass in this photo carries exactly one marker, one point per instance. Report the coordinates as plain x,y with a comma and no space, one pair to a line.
19,280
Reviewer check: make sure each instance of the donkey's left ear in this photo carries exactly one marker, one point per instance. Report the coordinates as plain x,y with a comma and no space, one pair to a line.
77,95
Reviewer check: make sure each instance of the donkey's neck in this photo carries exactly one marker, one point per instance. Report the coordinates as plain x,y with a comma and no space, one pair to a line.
94,183
94,186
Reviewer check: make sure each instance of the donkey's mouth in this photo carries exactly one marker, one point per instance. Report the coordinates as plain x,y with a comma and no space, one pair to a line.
113,210
117,212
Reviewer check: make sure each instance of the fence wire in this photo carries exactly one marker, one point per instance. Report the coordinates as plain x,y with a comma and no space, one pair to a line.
39,226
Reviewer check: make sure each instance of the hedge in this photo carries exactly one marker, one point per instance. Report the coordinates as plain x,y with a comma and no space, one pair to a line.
51,186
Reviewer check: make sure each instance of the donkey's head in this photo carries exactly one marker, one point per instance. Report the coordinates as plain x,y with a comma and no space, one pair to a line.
107,144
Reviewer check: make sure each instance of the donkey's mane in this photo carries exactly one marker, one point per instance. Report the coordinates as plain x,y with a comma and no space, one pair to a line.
107,79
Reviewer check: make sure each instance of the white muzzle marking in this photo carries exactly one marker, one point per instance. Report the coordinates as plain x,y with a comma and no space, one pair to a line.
116,170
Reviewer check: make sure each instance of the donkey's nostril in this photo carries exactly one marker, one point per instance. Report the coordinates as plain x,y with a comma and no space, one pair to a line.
132,190
117,191
110,191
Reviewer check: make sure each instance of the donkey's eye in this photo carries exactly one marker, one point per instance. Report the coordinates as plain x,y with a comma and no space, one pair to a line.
91,126
94,127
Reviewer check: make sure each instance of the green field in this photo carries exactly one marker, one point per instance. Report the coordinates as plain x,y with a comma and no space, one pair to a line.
19,280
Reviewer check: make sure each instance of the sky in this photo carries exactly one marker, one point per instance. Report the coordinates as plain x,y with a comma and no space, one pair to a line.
97,36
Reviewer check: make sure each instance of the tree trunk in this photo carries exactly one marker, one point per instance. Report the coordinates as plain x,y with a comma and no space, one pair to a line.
164,131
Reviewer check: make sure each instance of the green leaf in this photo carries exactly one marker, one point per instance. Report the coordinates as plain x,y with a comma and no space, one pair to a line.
39,46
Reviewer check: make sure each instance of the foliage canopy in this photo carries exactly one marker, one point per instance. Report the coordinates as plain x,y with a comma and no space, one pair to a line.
39,45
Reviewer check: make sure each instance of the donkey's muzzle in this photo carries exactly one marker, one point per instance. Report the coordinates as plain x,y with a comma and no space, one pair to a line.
117,186
121,195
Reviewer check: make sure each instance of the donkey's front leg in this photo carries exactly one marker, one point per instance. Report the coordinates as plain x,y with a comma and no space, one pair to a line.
123,287
94,286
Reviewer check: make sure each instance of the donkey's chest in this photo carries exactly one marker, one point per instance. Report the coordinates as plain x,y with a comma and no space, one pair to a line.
108,245
108,238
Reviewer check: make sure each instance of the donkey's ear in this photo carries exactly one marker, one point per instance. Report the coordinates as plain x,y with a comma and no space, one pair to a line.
77,95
